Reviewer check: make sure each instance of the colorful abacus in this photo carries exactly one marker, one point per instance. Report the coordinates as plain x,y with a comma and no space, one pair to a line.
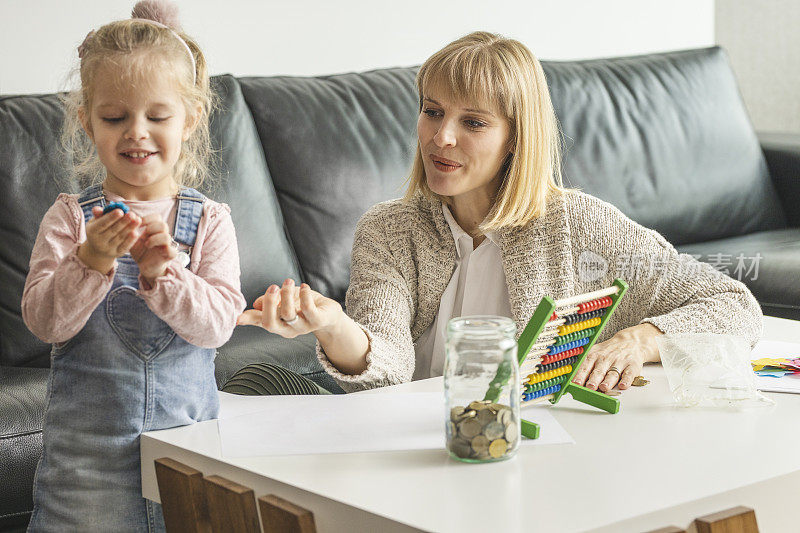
554,344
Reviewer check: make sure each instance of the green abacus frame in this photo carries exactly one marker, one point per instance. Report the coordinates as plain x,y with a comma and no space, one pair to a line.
580,393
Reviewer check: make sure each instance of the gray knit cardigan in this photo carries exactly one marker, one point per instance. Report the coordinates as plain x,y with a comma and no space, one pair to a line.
404,256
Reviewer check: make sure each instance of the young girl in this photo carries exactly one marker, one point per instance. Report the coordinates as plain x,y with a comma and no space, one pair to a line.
133,302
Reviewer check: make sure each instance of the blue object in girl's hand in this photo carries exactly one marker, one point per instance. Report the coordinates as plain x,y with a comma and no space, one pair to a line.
116,205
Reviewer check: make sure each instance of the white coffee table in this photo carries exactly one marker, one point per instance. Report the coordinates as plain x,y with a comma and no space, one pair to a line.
649,466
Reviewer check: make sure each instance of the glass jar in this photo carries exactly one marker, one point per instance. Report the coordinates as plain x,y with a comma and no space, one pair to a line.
482,389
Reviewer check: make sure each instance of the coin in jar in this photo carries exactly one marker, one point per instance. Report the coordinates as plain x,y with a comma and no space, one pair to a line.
511,434
469,428
479,404
505,416
485,416
460,447
468,413
497,448
456,412
452,431
494,430
480,444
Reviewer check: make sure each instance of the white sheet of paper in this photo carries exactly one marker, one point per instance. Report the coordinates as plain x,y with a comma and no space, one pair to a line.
766,348
789,383
777,349
349,423
233,405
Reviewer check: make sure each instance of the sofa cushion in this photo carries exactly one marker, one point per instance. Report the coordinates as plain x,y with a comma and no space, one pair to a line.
782,152
22,403
243,181
666,139
767,262
335,146
32,173
255,345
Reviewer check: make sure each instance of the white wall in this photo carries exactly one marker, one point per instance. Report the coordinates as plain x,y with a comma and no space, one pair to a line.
763,41
248,37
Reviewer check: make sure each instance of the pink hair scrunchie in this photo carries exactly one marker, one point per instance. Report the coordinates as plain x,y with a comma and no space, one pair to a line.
160,13
84,44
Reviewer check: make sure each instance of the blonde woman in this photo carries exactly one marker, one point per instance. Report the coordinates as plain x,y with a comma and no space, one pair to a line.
486,227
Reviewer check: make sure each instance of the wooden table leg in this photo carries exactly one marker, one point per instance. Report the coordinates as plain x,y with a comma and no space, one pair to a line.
282,516
736,520
231,507
182,497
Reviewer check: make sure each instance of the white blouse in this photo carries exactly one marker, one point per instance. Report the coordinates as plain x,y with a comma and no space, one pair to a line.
478,287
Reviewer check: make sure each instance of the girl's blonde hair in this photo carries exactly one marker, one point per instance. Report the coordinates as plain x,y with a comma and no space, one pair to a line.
138,45
501,73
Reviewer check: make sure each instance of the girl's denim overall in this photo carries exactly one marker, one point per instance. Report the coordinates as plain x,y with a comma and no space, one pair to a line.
125,372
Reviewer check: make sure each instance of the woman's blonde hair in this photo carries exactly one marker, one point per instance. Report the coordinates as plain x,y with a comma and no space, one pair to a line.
491,70
139,46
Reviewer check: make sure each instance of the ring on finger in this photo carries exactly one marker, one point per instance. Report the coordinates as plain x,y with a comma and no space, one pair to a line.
614,369
290,322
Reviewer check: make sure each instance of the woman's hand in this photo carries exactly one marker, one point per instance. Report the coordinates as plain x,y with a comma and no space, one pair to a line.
108,236
289,311
620,359
153,250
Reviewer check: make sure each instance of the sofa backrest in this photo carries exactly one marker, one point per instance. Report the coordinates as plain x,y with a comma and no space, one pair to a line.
665,138
335,145
32,173
245,184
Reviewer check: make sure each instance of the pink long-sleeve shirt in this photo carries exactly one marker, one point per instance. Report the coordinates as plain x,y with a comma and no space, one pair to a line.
200,303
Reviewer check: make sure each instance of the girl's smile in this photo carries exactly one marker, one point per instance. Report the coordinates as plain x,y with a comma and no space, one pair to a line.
138,157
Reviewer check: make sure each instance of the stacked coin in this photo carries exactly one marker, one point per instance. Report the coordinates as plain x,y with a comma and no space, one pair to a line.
482,431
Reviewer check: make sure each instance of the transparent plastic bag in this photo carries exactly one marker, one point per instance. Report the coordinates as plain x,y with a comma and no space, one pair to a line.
708,369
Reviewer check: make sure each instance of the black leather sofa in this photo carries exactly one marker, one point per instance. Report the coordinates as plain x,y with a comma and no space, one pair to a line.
664,137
